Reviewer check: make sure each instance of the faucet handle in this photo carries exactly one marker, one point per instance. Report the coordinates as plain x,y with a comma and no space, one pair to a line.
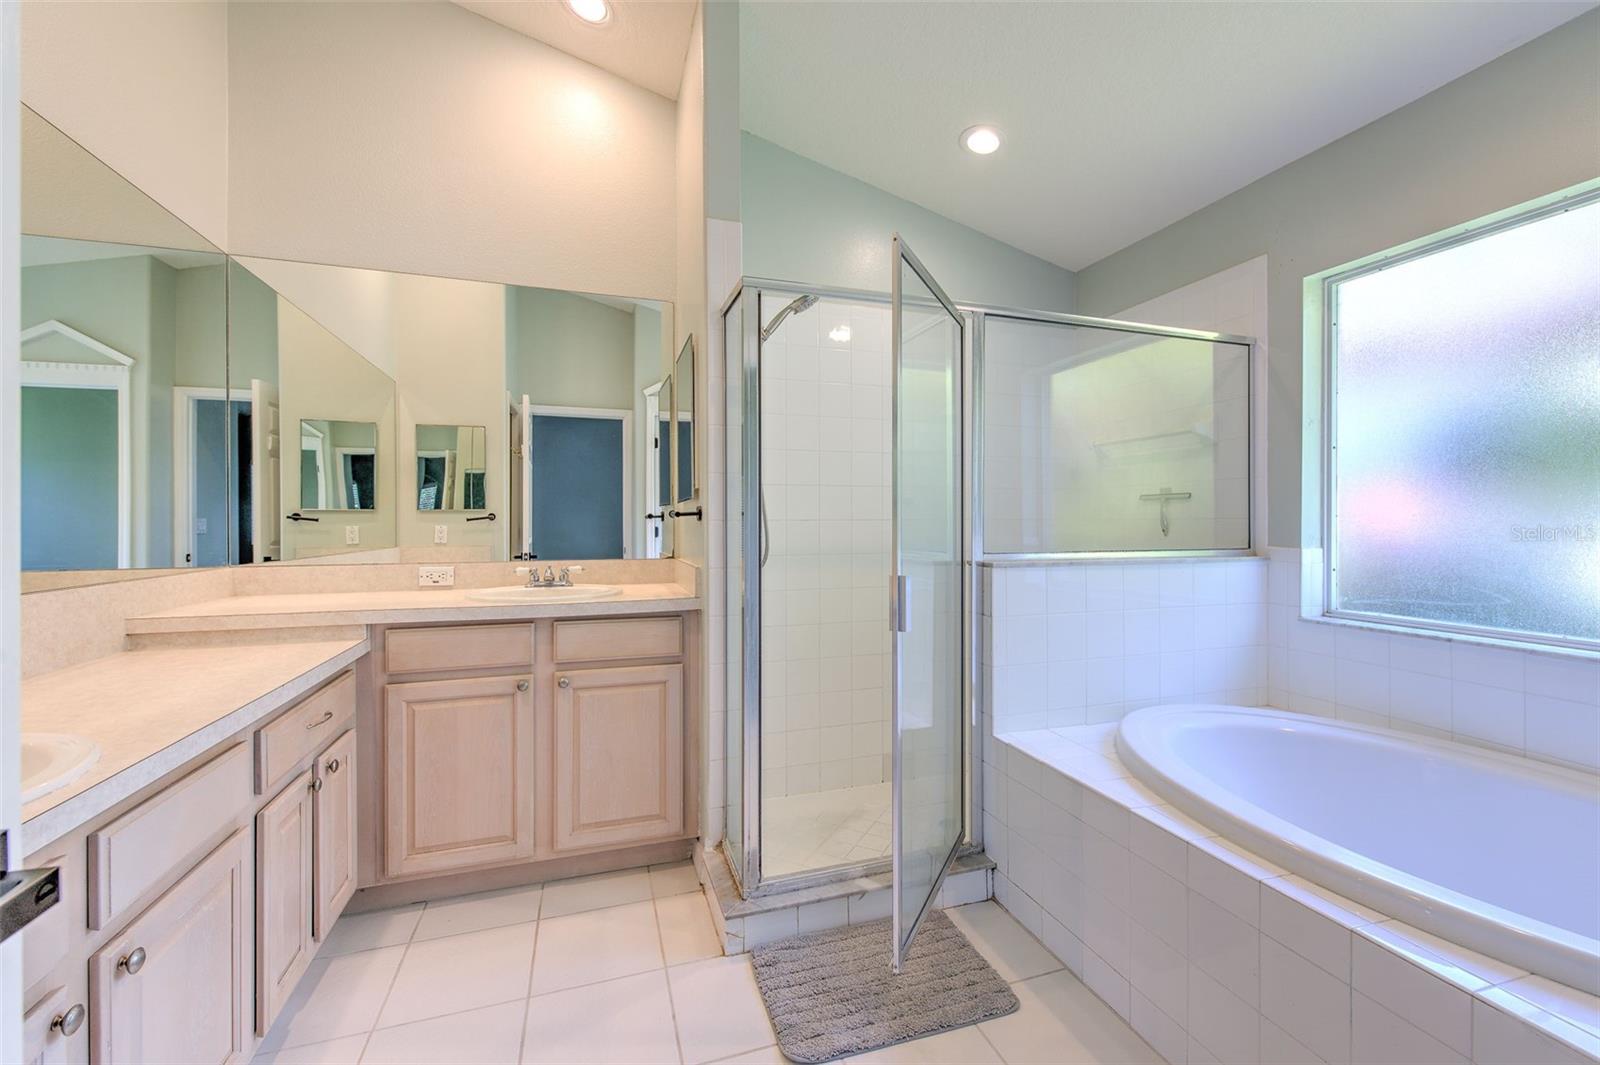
567,572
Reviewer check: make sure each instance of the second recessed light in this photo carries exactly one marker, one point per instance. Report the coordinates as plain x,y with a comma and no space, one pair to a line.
593,12
981,140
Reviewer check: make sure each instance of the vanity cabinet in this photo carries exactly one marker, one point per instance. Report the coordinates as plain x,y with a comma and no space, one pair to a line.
305,872
49,1028
458,773
618,756
334,852
285,838
176,983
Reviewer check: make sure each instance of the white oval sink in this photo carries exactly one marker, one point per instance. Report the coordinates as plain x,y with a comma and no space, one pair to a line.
52,760
516,593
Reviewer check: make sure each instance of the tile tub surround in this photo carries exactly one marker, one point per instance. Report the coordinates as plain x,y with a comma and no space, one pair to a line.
1542,704
1069,643
152,710
1213,954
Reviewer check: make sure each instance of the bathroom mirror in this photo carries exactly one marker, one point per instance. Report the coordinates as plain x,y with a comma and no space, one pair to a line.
124,411
584,373
338,465
451,470
300,352
683,438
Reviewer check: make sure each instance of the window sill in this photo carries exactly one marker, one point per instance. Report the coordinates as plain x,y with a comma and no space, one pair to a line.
1554,650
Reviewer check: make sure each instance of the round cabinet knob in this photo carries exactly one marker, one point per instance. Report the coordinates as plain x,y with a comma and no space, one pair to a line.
565,682
522,685
132,961
333,765
69,1022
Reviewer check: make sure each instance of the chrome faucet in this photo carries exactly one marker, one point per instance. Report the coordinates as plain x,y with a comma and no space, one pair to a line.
565,581
534,580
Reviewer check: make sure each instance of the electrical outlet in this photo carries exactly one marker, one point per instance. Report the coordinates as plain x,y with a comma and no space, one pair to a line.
352,534
441,534
436,576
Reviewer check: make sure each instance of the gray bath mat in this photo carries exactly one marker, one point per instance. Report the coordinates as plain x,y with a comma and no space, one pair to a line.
831,993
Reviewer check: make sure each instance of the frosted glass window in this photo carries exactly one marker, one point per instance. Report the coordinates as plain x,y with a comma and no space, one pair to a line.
1466,428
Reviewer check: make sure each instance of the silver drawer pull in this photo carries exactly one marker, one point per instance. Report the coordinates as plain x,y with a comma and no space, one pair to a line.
522,685
333,765
132,961
323,720
565,682
69,1022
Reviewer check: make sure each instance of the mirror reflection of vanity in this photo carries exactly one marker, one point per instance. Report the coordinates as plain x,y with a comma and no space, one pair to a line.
186,408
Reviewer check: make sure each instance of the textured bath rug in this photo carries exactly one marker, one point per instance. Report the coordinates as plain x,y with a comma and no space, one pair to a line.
831,994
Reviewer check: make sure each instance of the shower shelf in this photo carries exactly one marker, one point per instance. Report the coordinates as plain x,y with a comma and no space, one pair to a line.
1155,444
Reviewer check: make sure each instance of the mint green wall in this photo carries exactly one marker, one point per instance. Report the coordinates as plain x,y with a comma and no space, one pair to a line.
69,478
807,223
567,350
1520,127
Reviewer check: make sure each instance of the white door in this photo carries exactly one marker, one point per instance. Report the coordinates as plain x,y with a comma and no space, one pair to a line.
521,481
655,505
266,448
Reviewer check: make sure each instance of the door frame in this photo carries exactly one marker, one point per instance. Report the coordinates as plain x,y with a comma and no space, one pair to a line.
183,461
549,410
116,374
652,473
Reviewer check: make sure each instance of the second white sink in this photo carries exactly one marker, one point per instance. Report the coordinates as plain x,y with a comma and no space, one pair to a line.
52,760
516,593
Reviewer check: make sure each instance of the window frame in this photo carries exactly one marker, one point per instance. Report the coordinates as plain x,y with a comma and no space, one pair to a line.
1324,289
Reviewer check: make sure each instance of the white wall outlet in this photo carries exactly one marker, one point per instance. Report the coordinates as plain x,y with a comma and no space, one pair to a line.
441,534
352,534
436,576
200,526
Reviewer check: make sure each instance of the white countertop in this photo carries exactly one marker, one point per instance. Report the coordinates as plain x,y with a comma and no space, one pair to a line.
154,709
398,607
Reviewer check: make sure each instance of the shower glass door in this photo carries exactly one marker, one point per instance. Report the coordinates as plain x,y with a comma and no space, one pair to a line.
928,733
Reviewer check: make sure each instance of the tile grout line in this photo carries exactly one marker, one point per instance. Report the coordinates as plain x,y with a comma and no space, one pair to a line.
533,958
672,1003
392,981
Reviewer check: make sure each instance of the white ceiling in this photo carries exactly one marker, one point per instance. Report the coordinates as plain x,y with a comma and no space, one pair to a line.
644,41
1118,118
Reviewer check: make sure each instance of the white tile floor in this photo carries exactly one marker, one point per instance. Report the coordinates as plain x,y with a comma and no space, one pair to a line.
823,828
624,967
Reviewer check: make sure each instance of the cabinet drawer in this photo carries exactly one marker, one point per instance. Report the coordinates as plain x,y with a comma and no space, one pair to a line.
434,650
610,641
307,727
165,833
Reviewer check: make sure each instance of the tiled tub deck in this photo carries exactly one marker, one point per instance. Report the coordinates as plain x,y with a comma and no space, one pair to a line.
1215,955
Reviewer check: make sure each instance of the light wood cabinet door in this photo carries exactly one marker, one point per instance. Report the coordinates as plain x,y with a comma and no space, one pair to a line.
284,833
618,776
458,774
334,856
175,985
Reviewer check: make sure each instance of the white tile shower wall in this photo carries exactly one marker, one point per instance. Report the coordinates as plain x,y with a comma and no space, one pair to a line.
1214,955
1229,301
1541,704
825,471
1070,643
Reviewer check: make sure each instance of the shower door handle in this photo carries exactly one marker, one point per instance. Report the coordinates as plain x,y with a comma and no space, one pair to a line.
765,547
899,614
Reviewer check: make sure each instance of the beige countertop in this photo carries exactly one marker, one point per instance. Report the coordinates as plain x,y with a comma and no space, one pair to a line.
397,607
152,710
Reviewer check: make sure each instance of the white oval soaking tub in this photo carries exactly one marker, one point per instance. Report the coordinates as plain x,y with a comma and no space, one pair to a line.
1497,853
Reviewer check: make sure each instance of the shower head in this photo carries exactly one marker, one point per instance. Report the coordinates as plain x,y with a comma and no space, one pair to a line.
798,305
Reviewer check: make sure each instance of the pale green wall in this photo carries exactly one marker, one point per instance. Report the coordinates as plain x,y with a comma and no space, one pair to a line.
1525,125
69,478
567,350
806,223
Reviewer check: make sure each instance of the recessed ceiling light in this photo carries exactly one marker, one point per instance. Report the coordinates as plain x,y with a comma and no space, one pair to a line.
593,12
981,140
839,334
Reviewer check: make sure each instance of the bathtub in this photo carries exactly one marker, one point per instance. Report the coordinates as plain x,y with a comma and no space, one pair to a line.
1496,853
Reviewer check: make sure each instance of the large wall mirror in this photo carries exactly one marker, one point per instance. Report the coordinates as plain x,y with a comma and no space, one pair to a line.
185,408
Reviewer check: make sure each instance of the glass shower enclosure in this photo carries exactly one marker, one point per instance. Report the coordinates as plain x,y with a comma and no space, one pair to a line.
847,585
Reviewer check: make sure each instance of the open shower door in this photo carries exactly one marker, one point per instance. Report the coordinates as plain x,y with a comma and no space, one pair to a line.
928,733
